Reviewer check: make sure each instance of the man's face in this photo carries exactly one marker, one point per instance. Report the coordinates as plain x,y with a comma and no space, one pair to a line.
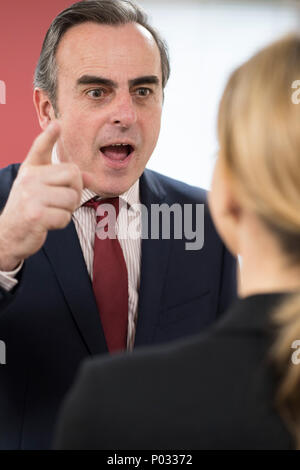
109,93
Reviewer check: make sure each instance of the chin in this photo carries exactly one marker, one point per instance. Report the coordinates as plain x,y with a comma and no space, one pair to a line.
113,189
111,181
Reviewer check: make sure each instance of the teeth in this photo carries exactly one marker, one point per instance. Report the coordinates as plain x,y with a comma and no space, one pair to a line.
120,145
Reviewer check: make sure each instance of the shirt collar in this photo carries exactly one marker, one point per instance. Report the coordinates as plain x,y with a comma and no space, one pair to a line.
131,196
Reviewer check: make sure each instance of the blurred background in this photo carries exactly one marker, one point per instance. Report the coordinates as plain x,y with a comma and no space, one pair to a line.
207,40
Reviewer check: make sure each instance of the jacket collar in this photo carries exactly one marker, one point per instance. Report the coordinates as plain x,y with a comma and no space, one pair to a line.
253,312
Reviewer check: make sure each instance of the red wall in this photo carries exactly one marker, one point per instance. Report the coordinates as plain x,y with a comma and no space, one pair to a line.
23,25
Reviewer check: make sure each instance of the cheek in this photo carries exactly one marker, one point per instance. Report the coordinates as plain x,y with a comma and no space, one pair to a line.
76,142
78,130
151,127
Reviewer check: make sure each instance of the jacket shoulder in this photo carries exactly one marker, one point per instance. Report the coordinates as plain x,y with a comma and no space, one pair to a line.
176,190
7,177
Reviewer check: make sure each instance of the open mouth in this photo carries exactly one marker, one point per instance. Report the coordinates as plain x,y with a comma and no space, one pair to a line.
117,152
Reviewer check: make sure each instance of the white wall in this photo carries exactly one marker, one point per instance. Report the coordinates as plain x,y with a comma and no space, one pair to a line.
206,41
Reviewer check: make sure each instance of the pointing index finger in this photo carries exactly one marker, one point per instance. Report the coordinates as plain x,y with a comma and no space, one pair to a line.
41,150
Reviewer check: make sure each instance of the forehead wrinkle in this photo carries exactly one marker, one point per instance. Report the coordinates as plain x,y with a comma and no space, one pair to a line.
87,49
128,58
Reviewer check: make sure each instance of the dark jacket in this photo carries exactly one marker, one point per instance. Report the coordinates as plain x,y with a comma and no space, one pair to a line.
50,322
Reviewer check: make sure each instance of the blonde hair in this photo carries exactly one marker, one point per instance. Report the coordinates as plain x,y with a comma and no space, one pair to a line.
259,135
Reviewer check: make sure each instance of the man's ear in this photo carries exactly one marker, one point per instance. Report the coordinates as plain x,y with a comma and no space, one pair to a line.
43,107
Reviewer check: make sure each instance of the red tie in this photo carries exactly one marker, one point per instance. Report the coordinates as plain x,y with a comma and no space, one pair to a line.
110,278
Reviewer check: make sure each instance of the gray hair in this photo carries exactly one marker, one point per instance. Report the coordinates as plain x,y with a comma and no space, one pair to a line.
108,12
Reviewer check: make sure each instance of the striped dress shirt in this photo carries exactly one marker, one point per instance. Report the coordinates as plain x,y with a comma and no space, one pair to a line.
85,222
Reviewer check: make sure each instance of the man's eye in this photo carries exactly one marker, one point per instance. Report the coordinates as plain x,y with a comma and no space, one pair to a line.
96,93
143,91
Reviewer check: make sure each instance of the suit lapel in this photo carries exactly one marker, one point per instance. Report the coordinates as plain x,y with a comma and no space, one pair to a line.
155,254
63,250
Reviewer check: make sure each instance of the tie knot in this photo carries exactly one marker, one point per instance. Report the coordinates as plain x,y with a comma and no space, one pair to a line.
112,201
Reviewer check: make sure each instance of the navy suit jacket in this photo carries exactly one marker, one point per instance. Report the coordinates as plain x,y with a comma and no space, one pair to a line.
50,321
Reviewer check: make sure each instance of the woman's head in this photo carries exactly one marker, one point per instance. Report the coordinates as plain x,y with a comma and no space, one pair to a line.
258,168
257,182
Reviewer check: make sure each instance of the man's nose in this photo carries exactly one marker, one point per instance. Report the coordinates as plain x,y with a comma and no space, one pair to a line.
123,112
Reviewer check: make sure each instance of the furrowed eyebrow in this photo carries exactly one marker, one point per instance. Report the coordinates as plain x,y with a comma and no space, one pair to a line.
95,80
147,80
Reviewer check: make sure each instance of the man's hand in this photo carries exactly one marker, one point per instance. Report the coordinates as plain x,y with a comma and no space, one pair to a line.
43,197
